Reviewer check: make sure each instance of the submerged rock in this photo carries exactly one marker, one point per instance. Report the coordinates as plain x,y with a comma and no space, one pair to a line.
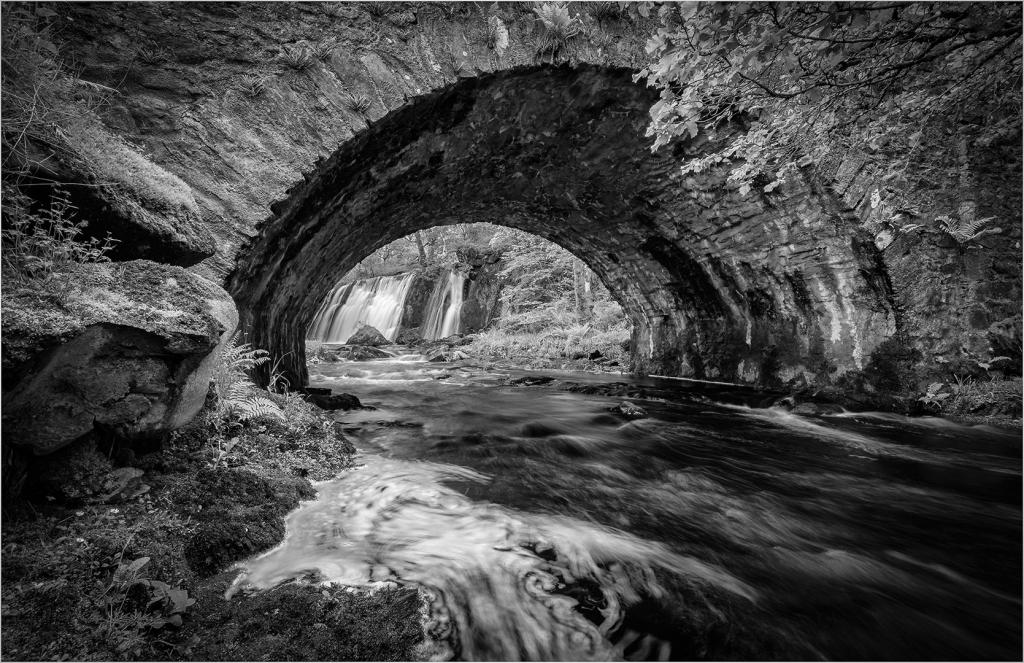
128,348
532,380
368,336
358,353
628,410
437,355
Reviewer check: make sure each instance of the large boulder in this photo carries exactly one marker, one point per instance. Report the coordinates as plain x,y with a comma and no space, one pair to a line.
125,347
367,335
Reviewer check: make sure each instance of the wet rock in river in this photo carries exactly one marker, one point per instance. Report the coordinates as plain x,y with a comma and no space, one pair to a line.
332,401
360,353
532,380
629,410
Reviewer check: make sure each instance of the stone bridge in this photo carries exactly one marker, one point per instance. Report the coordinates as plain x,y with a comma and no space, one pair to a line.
291,172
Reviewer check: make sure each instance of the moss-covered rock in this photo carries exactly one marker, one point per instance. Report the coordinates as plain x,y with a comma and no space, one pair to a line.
128,347
300,622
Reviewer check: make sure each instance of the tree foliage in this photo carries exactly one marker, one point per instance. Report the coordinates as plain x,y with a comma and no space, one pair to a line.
544,287
807,79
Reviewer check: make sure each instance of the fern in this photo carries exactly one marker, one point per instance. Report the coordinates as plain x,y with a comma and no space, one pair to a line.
964,231
559,28
298,59
556,19
238,399
252,85
233,365
324,49
253,407
357,103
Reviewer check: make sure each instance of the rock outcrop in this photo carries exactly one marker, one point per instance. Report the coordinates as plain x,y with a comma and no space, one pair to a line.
129,348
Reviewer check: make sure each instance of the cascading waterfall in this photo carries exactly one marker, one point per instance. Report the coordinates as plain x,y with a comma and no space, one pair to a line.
444,309
378,302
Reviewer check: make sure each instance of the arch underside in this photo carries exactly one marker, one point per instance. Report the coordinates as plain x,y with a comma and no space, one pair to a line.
719,286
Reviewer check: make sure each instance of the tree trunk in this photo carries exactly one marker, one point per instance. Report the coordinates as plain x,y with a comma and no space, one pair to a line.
576,287
588,292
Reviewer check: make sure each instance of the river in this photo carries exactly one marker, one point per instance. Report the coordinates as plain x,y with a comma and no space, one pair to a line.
541,526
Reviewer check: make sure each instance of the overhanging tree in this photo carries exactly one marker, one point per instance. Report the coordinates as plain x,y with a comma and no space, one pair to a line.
913,85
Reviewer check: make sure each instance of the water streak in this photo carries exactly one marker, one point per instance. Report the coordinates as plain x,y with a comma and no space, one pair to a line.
499,577
444,309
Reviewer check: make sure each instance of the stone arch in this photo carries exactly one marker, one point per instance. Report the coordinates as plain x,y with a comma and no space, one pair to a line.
765,288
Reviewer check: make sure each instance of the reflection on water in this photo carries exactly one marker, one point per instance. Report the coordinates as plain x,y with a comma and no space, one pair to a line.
543,527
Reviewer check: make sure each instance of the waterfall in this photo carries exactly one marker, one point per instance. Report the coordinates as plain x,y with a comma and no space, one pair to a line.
444,309
377,302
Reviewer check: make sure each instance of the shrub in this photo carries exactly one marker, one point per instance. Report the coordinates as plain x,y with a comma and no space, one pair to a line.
39,246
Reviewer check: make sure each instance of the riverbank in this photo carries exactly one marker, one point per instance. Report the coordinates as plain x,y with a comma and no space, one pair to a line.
132,562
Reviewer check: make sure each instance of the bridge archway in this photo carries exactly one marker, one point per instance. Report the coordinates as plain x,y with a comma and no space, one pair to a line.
764,288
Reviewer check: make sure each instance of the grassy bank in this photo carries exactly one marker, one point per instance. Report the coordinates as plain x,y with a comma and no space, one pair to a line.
557,347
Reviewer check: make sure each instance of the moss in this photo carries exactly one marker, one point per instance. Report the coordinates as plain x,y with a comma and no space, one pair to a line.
220,542
114,161
309,623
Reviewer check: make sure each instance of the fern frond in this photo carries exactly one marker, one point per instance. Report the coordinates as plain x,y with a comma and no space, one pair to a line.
964,231
254,407
555,17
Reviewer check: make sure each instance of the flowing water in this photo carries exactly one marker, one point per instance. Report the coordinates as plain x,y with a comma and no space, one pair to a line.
541,526
444,309
377,302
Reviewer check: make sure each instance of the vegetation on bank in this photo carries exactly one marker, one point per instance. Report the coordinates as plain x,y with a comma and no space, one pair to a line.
975,400
123,555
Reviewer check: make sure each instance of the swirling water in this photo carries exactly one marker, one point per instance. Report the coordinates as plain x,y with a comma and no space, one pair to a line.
540,526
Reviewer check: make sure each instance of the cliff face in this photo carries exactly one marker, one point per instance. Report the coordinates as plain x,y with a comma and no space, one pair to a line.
482,303
304,136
